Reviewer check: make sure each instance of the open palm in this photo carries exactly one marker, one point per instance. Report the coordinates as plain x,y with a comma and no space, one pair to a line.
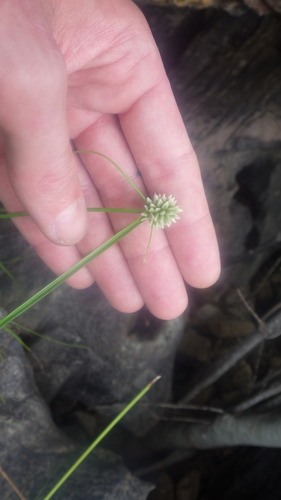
100,82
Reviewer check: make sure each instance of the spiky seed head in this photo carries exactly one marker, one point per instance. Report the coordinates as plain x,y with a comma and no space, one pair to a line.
161,211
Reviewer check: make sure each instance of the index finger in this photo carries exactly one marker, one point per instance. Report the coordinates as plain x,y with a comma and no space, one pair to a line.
162,150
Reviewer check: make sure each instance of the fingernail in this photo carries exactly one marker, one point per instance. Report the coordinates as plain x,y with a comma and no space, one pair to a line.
69,226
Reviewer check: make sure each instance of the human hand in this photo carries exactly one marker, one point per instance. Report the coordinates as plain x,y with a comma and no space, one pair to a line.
91,72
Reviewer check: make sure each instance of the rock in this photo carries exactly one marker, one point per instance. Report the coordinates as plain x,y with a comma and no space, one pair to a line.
34,453
122,358
124,352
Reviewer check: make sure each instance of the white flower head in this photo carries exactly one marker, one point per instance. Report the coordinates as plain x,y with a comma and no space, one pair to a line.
161,211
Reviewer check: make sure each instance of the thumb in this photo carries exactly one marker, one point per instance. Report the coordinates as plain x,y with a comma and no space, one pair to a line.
44,176
41,165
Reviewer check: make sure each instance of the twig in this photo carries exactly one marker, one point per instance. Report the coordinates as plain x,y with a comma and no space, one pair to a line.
268,274
257,398
226,430
262,392
249,308
272,404
172,406
209,375
176,406
270,378
272,311
173,459
189,420
260,323
12,484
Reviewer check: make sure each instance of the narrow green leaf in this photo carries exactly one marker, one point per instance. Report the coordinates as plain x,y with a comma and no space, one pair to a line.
148,244
45,337
17,338
63,277
12,215
7,272
117,210
116,166
101,436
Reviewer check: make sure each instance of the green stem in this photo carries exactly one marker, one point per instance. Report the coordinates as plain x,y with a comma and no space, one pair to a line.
12,215
118,168
148,244
67,274
117,210
7,272
17,338
45,337
100,438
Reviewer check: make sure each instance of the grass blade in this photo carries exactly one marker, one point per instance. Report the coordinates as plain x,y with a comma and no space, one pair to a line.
63,277
7,272
45,337
116,166
13,215
101,436
20,341
117,210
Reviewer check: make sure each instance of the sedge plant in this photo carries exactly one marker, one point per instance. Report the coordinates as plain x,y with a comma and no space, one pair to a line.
160,211
100,437
90,448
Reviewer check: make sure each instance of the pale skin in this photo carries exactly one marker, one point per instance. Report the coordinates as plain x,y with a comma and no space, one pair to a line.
89,72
